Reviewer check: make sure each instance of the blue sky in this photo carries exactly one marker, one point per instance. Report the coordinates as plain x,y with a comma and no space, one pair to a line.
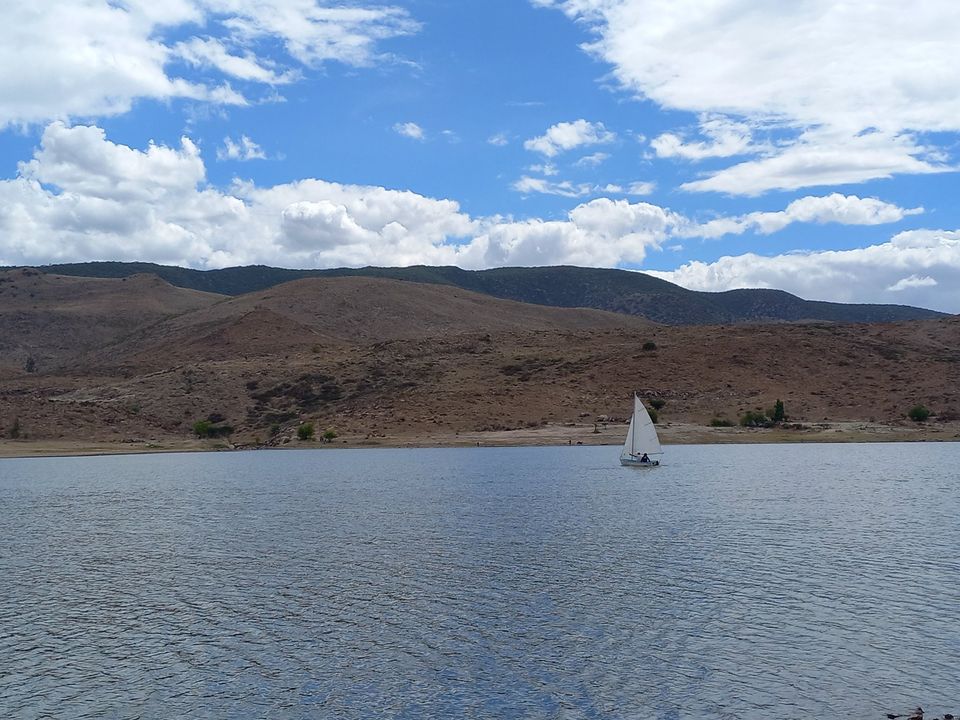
737,144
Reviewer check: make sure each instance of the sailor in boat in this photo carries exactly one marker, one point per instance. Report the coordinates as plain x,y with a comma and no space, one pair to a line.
644,458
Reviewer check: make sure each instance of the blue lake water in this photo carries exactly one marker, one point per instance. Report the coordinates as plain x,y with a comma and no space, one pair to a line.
758,581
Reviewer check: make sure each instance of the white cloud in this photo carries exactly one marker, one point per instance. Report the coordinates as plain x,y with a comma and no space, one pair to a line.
594,160
877,273
410,130
498,140
725,138
819,74
914,281
564,188
244,149
834,208
641,187
816,159
568,135
213,53
83,196
69,58
548,169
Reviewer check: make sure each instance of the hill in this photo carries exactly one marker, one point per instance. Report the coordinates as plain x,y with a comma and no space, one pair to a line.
47,320
319,313
619,291
373,357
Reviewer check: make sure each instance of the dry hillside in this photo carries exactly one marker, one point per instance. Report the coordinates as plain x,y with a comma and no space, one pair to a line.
370,357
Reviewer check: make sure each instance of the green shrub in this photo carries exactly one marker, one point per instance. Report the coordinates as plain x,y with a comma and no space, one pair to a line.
306,431
654,417
206,429
329,435
274,429
657,403
720,422
754,419
649,346
14,431
919,413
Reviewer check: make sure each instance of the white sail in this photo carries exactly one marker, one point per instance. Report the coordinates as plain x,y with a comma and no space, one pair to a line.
628,443
642,435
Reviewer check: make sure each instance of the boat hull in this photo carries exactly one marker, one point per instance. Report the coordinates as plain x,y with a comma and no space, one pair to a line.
630,462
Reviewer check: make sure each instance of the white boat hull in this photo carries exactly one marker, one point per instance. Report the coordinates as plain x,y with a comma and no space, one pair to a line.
632,462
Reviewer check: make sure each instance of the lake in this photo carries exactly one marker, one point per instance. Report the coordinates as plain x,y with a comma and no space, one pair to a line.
751,581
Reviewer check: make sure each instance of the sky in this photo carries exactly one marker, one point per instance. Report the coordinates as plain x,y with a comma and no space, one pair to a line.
810,146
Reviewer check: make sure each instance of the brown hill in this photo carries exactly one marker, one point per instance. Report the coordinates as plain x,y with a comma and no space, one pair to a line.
48,320
375,357
333,312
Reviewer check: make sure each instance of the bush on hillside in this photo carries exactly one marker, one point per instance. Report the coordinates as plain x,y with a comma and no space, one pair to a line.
654,418
919,413
306,431
755,419
206,429
649,346
657,403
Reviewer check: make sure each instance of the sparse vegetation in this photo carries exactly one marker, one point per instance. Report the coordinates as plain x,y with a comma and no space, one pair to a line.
720,422
329,436
306,431
206,429
919,413
654,417
649,346
755,419
30,365
274,429
658,403
14,431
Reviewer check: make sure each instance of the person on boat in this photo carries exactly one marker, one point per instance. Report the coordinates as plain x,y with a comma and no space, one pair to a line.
644,458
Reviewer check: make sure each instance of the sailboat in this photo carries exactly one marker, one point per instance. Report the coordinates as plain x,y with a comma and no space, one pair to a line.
642,441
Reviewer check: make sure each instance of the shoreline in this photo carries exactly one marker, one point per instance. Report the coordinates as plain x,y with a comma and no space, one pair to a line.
553,435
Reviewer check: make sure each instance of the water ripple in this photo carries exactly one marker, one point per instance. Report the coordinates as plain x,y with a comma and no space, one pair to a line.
733,582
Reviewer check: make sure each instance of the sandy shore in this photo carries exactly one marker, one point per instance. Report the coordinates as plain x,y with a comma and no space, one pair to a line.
572,434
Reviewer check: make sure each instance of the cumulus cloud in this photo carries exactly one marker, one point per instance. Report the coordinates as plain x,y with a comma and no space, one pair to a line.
410,130
569,135
918,267
818,74
834,208
242,149
82,196
63,59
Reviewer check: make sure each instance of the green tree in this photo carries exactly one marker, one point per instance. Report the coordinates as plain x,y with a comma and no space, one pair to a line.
778,415
657,403
919,413
306,431
202,428
329,435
